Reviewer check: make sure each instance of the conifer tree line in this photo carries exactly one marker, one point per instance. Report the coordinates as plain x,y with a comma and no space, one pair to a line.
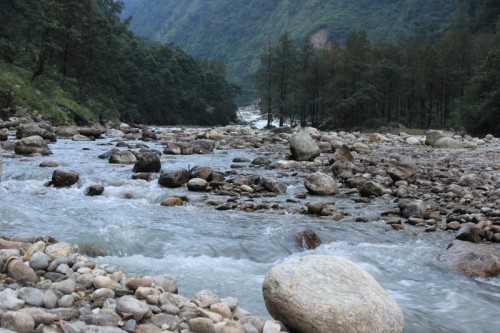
452,82
84,45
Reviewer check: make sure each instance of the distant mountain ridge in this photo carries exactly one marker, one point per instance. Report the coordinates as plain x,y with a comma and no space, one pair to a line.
237,31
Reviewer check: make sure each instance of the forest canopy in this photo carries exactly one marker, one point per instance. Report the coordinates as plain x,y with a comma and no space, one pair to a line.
80,50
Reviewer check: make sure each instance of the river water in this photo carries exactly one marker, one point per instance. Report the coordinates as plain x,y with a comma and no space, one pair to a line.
229,252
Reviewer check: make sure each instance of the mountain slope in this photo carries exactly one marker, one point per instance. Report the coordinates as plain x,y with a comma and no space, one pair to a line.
236,31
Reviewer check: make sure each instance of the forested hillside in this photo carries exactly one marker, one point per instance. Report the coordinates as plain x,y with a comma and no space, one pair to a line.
450,82
236,31
75,60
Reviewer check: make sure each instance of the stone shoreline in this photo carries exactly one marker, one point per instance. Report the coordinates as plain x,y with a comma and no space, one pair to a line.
47,286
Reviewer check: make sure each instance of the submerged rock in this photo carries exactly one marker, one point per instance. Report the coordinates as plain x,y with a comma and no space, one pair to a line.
471,259
62,178
308,239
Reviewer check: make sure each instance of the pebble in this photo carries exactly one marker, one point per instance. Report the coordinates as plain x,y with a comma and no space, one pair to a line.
39,261
31,296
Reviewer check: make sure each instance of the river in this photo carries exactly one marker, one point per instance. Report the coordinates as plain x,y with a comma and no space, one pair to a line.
229,252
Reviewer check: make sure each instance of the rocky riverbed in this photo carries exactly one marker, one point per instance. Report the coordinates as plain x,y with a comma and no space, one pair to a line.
433,184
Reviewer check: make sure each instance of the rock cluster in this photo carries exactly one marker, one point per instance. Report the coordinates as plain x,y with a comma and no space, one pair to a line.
439,182
49,287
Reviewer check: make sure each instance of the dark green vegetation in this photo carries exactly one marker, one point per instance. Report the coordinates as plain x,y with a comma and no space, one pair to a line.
76,60
236,31
354,83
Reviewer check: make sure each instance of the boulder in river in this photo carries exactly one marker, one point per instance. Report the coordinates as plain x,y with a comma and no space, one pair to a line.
30,129
308,239
434,135
303,147
474,260
402,171
32,145
321,184
197,184
91,131
273,185
174,178
342,169
123,157
149,135
330,294
203,146
412,208
62,178
371,188
449,143
66,131
94,190
147,162
202,172
174,201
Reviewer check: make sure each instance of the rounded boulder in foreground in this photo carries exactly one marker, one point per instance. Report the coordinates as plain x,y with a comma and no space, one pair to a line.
325,294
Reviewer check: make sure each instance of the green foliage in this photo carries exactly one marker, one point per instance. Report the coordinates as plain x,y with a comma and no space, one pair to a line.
235,31
84,58
481,103
361,84
45,95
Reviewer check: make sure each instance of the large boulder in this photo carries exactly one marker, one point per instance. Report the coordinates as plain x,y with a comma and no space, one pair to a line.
342,169
148,162
32,145
325,294
174,178
62,178
303,147
203,146
412,208
30,129
273,185
197,184
320,183
449,143
402,171
307,239
66,131
472,259
202,172
123,157
433,135
91,131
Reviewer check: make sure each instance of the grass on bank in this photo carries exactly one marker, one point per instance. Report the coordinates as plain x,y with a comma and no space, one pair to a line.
45,96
